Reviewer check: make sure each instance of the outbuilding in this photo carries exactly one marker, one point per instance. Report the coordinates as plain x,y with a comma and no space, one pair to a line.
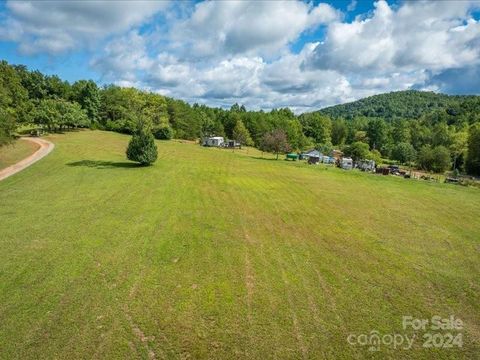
311,153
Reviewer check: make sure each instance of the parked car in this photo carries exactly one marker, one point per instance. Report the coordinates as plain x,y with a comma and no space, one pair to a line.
394,169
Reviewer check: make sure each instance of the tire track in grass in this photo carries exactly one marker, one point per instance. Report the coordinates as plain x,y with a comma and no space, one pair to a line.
312,303
282,207
296,325
135,329
246,201
281,265
294,195
250,287
249,284
238,257
277,329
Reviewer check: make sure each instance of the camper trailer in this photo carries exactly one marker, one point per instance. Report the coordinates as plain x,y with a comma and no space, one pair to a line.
346,163
215,141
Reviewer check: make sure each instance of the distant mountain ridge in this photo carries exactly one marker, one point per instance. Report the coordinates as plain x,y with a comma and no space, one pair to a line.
409,104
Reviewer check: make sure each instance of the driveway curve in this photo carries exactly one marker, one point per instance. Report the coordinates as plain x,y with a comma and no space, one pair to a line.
45,148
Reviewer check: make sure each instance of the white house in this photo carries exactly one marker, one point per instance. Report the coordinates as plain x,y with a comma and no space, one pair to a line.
213,141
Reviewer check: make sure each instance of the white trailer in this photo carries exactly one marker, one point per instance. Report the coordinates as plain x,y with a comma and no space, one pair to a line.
214,141
347,163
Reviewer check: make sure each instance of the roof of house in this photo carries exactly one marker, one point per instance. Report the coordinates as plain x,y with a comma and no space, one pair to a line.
313,151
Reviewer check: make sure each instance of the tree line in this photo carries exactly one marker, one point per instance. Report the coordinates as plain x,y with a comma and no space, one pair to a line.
432,131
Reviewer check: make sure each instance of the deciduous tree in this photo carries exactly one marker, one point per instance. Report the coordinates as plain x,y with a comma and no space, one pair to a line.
275,141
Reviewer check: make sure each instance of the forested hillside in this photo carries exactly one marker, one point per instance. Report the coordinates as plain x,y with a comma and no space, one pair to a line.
400,104
435,132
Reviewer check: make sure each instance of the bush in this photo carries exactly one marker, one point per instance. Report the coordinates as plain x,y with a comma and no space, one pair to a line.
375,156
436,159
357,151
142,148
404,152
164,132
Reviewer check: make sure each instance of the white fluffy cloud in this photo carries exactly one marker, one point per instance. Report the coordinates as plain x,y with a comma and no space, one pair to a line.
221,52
124,57
247,27
56,26
432,35
247,79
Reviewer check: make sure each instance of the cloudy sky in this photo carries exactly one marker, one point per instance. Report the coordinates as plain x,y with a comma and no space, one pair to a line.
304,55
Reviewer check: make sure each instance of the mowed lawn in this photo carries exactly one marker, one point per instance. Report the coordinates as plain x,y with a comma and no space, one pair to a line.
218,254
13,153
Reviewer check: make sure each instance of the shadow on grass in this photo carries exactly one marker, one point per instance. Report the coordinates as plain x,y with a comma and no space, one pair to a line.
100,164
262,158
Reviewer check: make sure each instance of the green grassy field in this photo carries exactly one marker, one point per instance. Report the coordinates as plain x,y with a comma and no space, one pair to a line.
15,152
215,254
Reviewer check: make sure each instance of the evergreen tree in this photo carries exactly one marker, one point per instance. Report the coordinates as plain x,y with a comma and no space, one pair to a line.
377,134
142,147
241,134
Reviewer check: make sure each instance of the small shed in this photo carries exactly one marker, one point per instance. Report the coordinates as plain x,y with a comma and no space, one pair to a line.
311,153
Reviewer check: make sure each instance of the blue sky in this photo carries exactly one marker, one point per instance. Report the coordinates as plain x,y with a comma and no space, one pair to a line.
304,55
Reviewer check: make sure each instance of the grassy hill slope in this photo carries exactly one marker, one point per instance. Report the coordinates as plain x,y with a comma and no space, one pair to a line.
13,153
215,254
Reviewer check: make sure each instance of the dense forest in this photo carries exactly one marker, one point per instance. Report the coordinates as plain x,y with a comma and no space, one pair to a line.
435,132
409,104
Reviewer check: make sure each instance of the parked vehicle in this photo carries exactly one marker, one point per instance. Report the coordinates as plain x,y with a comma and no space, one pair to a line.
328,160
291,156
313,160
394,169
346,163
215,141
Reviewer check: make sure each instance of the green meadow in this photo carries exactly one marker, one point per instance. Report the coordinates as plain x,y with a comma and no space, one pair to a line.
222,254
13,153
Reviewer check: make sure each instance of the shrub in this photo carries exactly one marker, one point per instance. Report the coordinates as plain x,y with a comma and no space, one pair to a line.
163,132
436,159
375,156
404,152
357,151
142,148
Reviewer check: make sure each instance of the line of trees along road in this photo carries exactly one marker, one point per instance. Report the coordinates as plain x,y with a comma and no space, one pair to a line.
436,132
